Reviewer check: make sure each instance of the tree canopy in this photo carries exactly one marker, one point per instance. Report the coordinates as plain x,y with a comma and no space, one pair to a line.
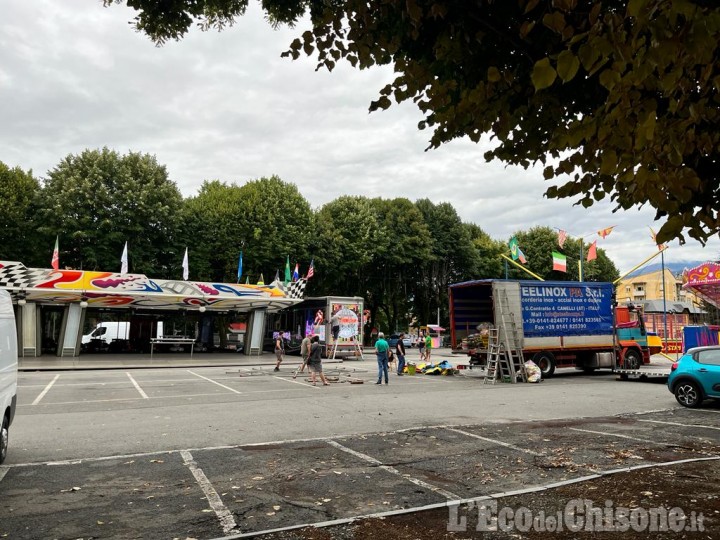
99,199
267,219
617,98
18,193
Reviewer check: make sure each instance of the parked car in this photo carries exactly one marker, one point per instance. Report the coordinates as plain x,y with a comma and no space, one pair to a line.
407,341
696,376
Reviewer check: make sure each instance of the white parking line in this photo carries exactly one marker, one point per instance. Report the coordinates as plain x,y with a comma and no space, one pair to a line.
154,397
226,517
47,388
679,424
620,436
447,494
296,382
494,441
137,386
450,503
3,472
214,382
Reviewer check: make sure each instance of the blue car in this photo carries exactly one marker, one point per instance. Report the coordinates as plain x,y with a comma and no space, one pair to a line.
696,376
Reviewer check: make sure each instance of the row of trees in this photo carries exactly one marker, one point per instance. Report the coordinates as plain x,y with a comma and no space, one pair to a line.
397,254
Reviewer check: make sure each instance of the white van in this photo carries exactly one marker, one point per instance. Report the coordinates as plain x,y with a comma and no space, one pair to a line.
107,331
8,370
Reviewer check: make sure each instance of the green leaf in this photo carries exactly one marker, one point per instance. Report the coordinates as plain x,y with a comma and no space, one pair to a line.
567,65
609,78
635,6
531,5
608,165
543,74
493,74
555,21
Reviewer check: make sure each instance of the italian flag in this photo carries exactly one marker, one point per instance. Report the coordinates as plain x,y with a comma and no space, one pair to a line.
55,262
559,262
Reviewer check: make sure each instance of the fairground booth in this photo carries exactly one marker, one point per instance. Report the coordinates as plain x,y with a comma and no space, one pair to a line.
704,282
70,312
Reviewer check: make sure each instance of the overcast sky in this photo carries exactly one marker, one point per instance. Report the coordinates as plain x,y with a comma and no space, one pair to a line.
75,75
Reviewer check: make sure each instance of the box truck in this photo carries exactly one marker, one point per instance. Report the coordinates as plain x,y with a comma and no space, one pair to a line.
8,370
557,323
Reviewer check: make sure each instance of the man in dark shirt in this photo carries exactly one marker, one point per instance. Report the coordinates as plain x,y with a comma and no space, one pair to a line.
400,352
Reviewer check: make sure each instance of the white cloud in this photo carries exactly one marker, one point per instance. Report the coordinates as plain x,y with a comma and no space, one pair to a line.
225,105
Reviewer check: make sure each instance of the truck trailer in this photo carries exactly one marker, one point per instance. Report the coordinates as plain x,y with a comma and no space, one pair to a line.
557,323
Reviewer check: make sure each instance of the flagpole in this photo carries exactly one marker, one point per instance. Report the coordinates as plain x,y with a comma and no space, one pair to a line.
580,275
650,258
521,267
662,262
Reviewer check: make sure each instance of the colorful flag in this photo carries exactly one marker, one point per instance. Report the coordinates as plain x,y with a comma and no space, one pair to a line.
288,277
592,252
602,233
559,261
239,267
260,281
659,246
311,270
55,262
513,244
562,236
186,265
296,272
521,256
124,260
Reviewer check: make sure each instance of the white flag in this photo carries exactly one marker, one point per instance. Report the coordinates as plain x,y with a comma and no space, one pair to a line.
123,261
186,266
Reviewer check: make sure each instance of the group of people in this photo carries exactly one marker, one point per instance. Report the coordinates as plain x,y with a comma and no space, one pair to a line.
311,352
382,350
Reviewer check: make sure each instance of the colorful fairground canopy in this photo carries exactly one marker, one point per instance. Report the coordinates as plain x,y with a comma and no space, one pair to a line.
704,281
114,290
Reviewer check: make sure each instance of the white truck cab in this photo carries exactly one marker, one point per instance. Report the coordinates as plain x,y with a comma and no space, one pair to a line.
8,370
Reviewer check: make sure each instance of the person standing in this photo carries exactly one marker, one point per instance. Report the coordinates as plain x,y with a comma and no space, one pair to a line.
279,350
421,346
428,348
315,361
305,345
381,350
400,353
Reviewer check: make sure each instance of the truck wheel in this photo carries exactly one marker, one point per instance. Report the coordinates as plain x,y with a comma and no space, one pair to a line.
688,394
546,362
4,437
632,360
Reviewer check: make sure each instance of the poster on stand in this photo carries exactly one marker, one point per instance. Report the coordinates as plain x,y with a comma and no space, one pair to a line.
345,321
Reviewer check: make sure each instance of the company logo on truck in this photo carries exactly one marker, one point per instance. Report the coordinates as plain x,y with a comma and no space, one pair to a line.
566,310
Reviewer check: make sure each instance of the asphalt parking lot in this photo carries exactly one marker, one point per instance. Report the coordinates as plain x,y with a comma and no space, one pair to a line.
220,452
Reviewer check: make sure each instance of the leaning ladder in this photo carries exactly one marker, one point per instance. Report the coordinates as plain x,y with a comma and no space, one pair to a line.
493,357
514,363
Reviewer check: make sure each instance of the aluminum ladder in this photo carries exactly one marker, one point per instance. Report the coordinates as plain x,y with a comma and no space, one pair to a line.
512,363
493,357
